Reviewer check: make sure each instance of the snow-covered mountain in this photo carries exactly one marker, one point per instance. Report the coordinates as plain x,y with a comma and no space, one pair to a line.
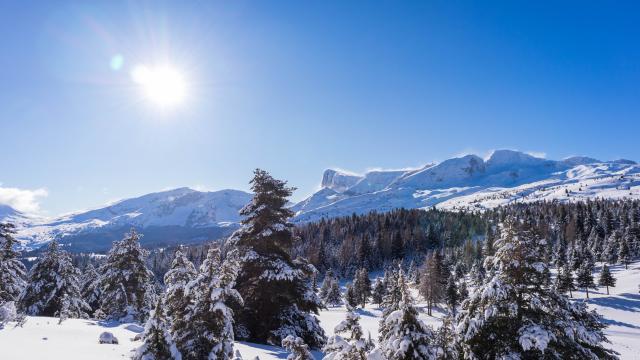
471,182
180,215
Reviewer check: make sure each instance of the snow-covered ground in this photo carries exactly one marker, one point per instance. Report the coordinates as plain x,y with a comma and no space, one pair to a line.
42,337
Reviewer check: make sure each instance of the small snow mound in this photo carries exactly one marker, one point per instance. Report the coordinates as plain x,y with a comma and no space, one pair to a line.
107,338
134,328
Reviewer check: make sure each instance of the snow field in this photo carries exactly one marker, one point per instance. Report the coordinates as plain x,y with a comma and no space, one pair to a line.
77,339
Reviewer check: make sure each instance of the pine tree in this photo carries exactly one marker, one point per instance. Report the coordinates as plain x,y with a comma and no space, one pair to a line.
397,292
126,283
12,271
451,296
606,278
362,286
299,350
326,284
624,253
54,287
379,290
350,296
334,297
176,299
90,287
351,345
209,318
158,343
584,278
278,299
564,280
405,336
514,316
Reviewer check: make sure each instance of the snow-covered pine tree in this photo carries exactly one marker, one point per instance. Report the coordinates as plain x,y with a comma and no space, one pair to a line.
584,278
90,287
125,282
610,251
158,343
298,349
477,273
351,345
378,292
445,340
326,283
209,319
12,271
54,287
451,295
362,286
330,290
278,298
351,296
403,336
564,280
396,293
514,316
606,278
176,300
624,252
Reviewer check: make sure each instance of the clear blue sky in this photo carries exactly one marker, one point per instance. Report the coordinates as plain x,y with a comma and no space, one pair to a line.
295,87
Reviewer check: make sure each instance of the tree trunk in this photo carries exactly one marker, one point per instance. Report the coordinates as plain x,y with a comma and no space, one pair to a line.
607,289
587,289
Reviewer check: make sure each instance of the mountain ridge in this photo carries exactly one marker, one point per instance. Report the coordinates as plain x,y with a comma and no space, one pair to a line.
467,182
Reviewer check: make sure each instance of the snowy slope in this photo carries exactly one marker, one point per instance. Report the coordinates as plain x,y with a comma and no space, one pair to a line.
181,209
74,339
470,182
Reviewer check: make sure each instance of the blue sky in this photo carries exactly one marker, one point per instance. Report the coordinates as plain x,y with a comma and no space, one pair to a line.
296,87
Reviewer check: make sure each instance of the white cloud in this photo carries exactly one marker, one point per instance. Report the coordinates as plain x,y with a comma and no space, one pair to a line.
26,201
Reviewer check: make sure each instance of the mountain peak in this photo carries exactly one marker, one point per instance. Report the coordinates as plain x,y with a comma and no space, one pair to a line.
505,157
338,180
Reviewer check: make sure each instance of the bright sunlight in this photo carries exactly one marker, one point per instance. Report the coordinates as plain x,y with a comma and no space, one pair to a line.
162,85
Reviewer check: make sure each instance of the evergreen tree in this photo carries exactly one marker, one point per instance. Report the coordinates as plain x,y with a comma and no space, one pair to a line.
624,253
299,350
176,299
351,345
333,297
362,286
564,280
54,287
209,318
278,299
397,292
350,296
12,271
397,247
405,336
126,283
90,287
158,344
451,296
514,316
326,285
584,278
606,278
379,290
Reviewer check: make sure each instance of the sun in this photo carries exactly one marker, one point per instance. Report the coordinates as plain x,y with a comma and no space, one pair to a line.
162,85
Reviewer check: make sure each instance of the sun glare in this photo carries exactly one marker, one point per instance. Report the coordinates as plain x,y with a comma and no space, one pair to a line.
162,85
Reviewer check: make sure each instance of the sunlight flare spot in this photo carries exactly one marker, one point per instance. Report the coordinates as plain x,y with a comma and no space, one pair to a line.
162,85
